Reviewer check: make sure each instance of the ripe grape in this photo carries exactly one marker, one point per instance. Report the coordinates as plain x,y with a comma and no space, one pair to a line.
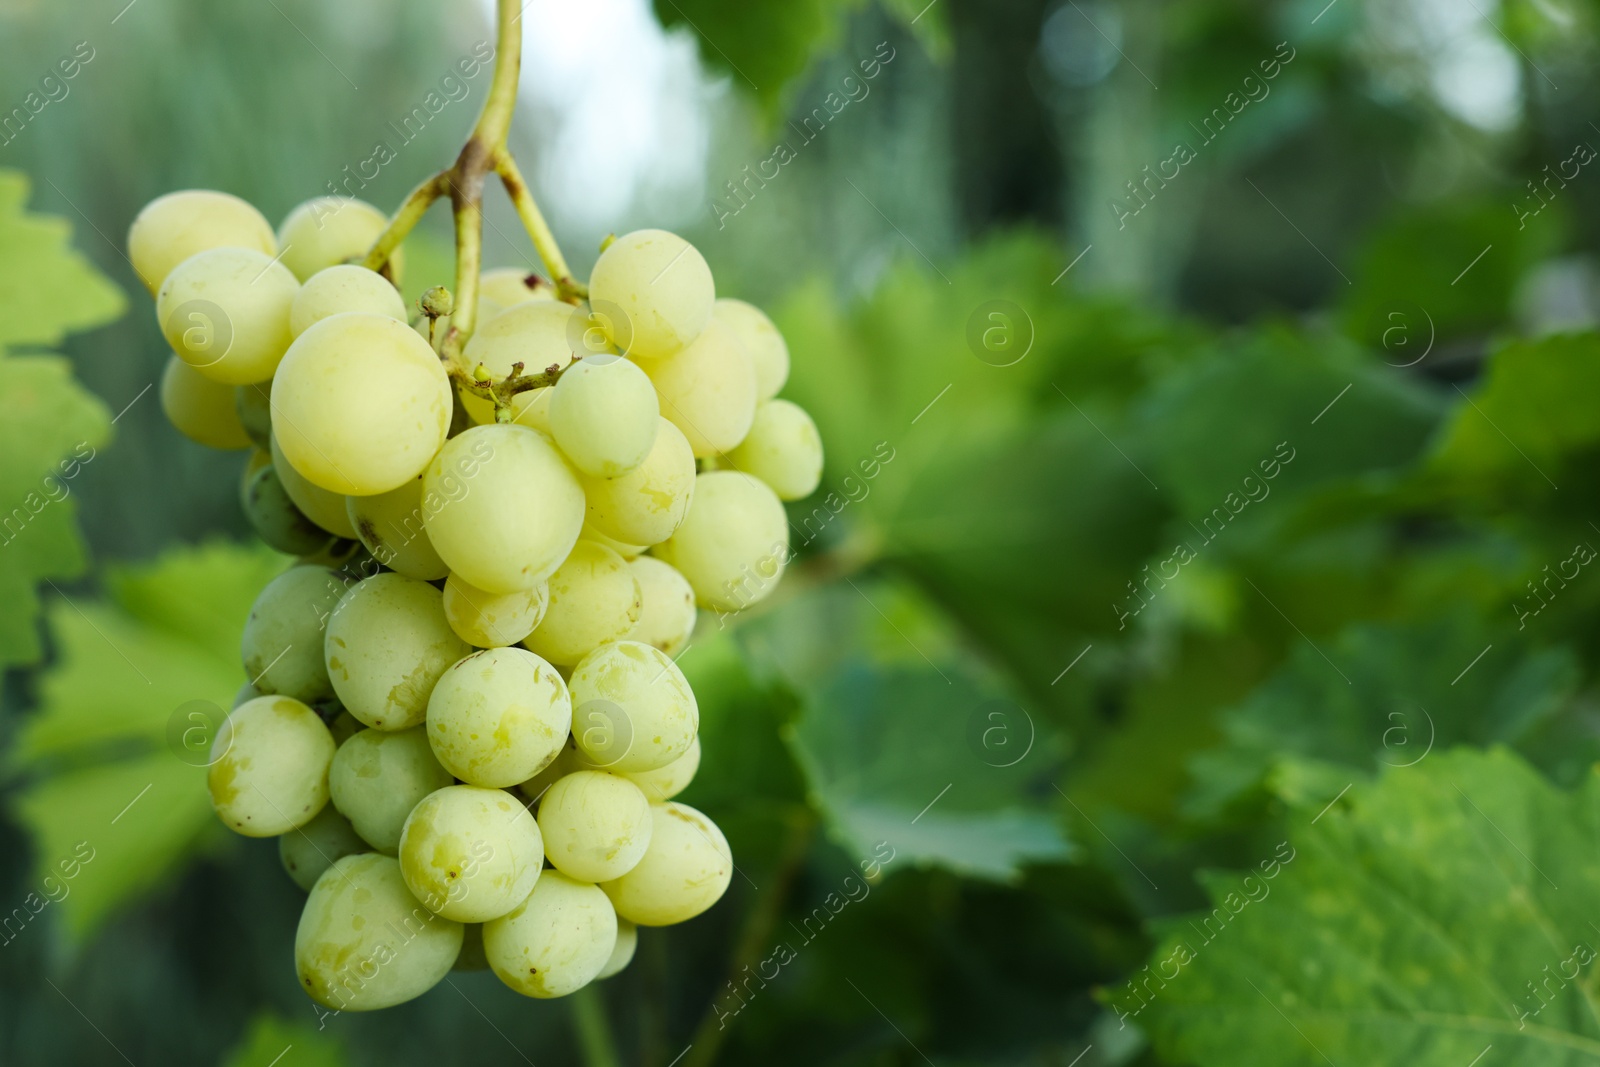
768,350
493,620
603,415
327,230
269,770
201,409
360,404
346,287
708,390
733,544
783,449
253,402
386,647
596,826
653,293
171,228
325,508
644,506
594,598
391,527
622,954
556,941
311,849
497,716
505,287
225,312
377,777
685,870
282,644
669,614
664,783
534,333
632,708
274,517
471,854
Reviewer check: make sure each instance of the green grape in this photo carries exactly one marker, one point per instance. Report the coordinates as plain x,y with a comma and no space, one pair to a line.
632,709
669,614
364,942
171,228
201,409
391,527
506,287
622,954
556,941
783,449
653,293
225,312
377,778
685,870
508,508
471,854
664,783
626,551
534,333
326,509
603,415
360,404
595,825
562,763
644,506
343,727
594,598
768,350
387,645
308,851
497,716
472,957
734,543
253,403
327,230
269,770
708,390
491,620
343,288
274,517
282,644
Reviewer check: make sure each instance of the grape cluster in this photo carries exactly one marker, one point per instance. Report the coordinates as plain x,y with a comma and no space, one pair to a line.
464,724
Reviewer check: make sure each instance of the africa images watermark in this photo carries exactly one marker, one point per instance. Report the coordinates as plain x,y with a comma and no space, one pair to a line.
53,88
54,488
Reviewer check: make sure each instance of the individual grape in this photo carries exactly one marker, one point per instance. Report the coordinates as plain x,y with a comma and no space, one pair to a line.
308,851
664,783
376,779
274,517
594,598
511,507
253,403
632,709
386,647
556,941
708,390
493,620
595,825
622,953
505,287
783,449
346,287
768,350
269,769
391,527
653,292
364,942
360,404
471,854
563,763
325,508
685,870
201,409
282,644
603,415
327,230
644,506
472,957
225,312
734,543
534,333
171,228
669,614
497,716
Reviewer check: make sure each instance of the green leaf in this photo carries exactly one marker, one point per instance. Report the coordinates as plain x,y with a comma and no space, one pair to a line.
761,44
270,1040
1409,925
47,288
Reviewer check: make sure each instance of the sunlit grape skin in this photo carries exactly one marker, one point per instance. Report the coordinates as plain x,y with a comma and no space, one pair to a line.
556,941
225,312
387,644
269,769
734,544
708,390
328,230
471,854
497,716
653,292
685,870
173,227
378,776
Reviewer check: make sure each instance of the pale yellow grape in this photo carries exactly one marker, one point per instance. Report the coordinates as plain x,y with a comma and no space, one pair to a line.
685,870
644,506
282,642
632,709
664,783
595,825
708,390
535,334
734,543
535,411
653,291
768,350
594,598
253,403
603,415
387,645
563,763
783,449
225,312
270,767
392,528
327,230
498,716
311,849
511,510
360,404
626,551
364,942
346,287
622,953
377,777
201,409
171,228
326,509
556,941
493,620
471,854
669,613
508,287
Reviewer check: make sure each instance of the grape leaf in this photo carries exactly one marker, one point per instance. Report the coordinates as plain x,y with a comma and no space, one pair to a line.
270,1038
762,44
1408,925
47,288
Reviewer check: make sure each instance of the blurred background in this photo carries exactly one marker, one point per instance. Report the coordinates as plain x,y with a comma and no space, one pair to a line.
1203,386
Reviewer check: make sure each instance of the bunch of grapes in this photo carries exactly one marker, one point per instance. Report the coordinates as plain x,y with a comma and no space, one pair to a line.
464,721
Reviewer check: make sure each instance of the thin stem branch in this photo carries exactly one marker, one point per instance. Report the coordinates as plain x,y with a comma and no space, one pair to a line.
416,205
544,241
594,1029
